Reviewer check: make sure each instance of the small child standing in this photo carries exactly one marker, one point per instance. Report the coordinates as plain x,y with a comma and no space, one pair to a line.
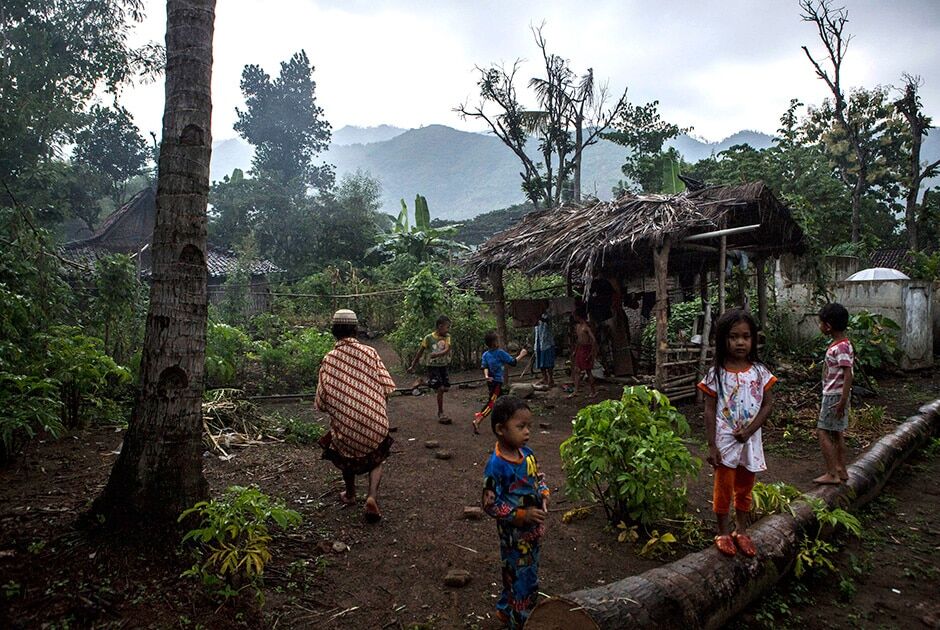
492,363
738,400
545,350
437,345
585,351
836,393
515,494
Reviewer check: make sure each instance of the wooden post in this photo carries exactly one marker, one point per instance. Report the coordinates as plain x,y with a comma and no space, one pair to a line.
499,296
661,267
706,331
569,289
761,264
722,264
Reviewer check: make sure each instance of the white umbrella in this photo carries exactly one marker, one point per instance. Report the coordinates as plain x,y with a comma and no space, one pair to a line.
877,273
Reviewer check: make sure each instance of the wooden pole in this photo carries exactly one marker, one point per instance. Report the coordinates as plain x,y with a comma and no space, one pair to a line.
761,264
661,267
722,264
706,333
499,297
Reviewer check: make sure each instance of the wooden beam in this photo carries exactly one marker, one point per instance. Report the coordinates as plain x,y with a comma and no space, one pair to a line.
761,264
660,266
722,233
722,264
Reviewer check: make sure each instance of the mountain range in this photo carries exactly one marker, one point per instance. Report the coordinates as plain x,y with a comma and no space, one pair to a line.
463,174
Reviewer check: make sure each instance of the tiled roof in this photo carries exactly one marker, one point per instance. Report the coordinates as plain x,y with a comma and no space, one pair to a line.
890,258
220,262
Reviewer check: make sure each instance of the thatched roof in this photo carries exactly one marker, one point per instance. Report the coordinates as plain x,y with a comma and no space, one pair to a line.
620,235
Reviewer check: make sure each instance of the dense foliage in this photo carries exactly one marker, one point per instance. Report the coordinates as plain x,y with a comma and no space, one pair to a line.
427,298
628,454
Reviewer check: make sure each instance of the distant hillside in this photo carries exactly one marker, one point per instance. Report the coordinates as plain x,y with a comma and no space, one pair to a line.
351,134
466,174
479,229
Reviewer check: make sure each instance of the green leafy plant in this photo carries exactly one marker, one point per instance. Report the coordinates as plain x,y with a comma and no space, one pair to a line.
86,376
297,431
923,266
868,417
420,240
659,545
426,298
227,352
232,538
875,341
628,454
815,553
773,498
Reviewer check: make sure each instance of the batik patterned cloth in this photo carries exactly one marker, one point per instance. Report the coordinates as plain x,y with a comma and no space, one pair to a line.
352,388
516,486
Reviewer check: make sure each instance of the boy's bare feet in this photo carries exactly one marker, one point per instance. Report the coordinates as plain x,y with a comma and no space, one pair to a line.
477,419
827,479
372,514
347,500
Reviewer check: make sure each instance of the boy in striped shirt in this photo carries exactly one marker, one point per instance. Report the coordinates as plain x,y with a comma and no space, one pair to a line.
836,393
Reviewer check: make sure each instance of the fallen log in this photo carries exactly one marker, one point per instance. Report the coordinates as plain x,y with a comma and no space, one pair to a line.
705,589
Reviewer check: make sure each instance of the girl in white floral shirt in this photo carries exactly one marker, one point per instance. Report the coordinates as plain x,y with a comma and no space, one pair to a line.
738,400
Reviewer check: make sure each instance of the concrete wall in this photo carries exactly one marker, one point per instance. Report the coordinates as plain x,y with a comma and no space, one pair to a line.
910,303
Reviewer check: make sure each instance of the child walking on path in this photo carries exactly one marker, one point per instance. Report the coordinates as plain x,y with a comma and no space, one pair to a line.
437,345
738,400
836,393
585,351
515,494
492,363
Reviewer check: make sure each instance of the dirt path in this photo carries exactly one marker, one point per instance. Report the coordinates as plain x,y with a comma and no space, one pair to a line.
384,576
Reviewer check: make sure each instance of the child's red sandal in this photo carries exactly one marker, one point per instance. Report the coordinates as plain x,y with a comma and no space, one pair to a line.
725,545
745,544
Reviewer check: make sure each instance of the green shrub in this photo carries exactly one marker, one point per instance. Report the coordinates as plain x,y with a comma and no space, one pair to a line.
233,538
875,341
87,378
297,431
628,454
773,498
227,353
426,299
30,404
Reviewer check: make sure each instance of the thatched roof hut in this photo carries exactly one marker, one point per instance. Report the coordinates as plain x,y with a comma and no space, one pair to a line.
621,235
646,235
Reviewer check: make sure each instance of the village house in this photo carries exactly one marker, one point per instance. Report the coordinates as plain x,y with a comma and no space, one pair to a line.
129,230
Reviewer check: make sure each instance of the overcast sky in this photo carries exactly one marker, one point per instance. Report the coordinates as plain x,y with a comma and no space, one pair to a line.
717,65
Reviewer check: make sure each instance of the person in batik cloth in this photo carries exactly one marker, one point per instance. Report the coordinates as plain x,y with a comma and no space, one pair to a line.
352,387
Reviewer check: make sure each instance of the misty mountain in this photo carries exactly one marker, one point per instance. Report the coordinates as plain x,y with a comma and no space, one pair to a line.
350,134
465,174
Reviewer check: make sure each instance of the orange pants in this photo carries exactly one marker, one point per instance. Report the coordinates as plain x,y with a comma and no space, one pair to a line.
732,481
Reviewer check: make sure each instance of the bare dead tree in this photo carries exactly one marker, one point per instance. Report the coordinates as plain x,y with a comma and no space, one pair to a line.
910,106
830,25
567,105
510,122
583,105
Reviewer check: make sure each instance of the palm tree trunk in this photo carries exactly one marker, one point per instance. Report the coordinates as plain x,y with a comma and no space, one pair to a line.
159,470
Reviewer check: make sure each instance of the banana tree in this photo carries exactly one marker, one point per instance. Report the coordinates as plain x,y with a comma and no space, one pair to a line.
419,240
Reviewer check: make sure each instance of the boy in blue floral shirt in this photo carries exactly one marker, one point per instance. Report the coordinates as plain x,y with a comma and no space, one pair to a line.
515,494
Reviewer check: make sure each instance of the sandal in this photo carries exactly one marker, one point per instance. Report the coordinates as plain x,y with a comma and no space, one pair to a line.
725,545
372,514
745,544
